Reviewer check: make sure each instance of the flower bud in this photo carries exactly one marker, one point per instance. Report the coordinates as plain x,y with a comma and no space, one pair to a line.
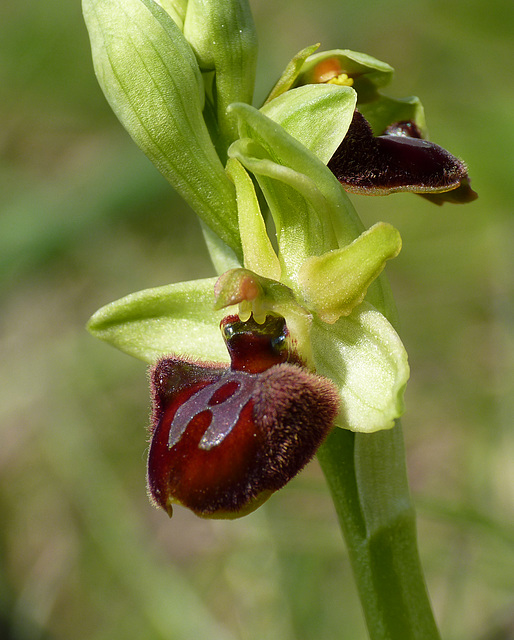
223,37
223,438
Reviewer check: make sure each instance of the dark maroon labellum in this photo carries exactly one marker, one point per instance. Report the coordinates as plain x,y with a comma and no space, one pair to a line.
224,438
399,160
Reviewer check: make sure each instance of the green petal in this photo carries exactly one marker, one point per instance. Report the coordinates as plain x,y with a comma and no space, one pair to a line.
177,318
337,281
259,255
150,77
222,34
291,72
317,115
367,361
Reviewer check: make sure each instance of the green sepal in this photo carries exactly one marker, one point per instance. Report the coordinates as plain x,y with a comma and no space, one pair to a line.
336,282
291,72
151,79
223,37
177,318
258,252
317,115
365,358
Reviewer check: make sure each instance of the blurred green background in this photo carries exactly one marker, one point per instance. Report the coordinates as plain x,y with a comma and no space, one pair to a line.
86,219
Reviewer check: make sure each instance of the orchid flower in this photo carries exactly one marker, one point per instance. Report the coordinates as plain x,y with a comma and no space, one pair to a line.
299,323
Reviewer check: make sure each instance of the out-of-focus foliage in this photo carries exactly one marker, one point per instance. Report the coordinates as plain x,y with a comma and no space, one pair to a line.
86,219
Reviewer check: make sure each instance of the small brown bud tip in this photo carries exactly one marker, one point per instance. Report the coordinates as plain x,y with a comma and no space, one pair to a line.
224,439
400,160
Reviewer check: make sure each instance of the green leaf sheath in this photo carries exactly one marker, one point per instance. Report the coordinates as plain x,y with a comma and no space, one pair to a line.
176,9
150,77
367,478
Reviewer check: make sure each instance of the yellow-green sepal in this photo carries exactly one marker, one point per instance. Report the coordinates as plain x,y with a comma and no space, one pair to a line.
317,115
383,111
365,358
291,72
177,319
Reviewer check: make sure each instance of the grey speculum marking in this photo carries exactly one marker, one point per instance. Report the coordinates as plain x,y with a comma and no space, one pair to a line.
224,415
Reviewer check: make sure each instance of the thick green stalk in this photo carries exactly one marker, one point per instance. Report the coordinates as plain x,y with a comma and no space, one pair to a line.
367,478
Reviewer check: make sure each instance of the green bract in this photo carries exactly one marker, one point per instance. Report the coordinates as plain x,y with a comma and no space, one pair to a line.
180,78
151,78
298,111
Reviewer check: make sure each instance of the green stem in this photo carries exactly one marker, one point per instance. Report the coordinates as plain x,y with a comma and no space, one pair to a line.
367,478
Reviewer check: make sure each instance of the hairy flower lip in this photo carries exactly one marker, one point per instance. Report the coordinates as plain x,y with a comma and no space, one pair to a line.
224,438
399,160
